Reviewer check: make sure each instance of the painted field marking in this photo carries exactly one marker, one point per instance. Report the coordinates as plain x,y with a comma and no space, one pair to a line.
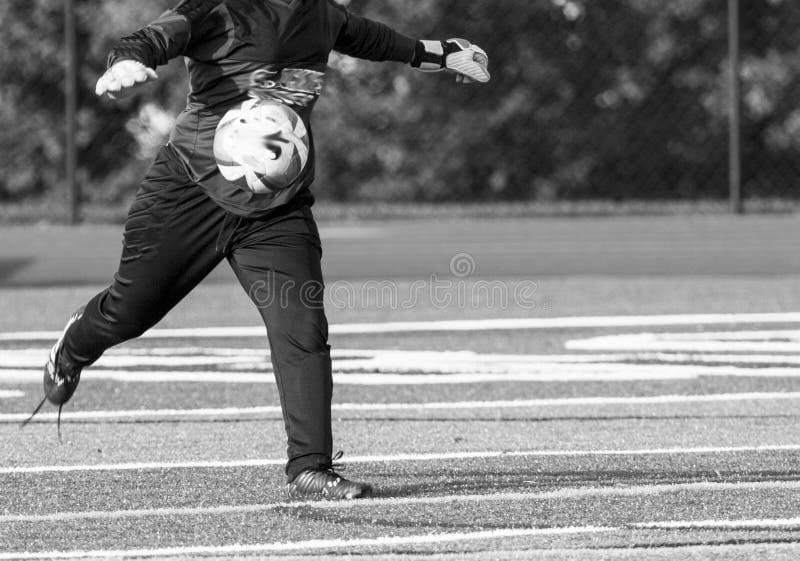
543,373
384,542
11,394
740,550
343,359
568,493
152,414
753,524
381,542
383,369
35,358
750,341
444,456
742,335
451,362
671,357
456,325
353,356
556,372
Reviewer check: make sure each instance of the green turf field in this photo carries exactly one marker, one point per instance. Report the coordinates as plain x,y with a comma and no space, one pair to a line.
607,416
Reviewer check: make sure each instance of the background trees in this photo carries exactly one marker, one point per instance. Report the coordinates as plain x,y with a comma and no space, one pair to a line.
589,99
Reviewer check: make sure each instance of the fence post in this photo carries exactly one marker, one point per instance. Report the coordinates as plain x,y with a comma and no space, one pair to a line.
70,97
735,109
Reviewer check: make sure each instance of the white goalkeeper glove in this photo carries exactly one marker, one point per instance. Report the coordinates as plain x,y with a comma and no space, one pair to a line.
120,80
468,61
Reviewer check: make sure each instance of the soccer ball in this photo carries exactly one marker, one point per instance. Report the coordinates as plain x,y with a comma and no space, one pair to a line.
261,146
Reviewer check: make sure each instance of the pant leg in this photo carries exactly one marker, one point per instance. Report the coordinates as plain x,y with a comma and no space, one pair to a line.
169,246
277,262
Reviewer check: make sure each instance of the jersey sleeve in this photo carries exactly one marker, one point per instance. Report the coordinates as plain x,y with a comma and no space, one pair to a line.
165,38
361,37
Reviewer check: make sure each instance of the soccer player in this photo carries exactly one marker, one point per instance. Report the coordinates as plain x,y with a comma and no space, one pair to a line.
187,217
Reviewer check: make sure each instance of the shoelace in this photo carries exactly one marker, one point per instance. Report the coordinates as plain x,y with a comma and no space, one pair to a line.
335,466
329,469
35,411
38,408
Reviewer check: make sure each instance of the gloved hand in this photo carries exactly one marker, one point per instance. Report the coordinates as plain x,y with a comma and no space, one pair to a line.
468,61
123,77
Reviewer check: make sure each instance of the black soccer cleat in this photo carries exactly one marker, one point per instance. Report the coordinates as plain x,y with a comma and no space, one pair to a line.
326,484
60,380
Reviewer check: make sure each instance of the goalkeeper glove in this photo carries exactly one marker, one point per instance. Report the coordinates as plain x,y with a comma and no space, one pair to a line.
468,61
123,75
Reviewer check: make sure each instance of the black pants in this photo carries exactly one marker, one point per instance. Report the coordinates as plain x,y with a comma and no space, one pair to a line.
175,235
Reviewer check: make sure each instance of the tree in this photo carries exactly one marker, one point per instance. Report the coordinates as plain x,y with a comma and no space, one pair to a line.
32,98
589,99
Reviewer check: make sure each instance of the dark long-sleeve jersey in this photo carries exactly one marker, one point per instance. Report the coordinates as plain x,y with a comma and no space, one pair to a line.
234,49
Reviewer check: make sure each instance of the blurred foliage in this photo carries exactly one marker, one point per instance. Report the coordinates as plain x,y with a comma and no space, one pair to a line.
589,99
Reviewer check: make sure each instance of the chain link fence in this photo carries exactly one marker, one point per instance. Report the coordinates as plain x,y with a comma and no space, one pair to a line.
590,99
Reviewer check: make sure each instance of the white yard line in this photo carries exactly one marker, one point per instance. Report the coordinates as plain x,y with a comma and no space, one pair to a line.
431,361
752,524
350,356
214,464
458,325
11,359
729,551
343,360
739,335
569,493
12,362
11,394
785,341
672,357
380,542
541,372
156,414
600,401
647,343
383,542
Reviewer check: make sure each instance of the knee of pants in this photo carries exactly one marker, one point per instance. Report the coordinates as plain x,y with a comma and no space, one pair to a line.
301,336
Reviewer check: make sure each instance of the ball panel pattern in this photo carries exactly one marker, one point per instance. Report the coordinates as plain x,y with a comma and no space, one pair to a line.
262,146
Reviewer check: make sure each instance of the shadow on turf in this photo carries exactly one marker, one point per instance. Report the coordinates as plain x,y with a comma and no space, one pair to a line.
482,481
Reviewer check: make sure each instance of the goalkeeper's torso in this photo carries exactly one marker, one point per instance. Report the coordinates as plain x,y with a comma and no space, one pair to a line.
234,49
